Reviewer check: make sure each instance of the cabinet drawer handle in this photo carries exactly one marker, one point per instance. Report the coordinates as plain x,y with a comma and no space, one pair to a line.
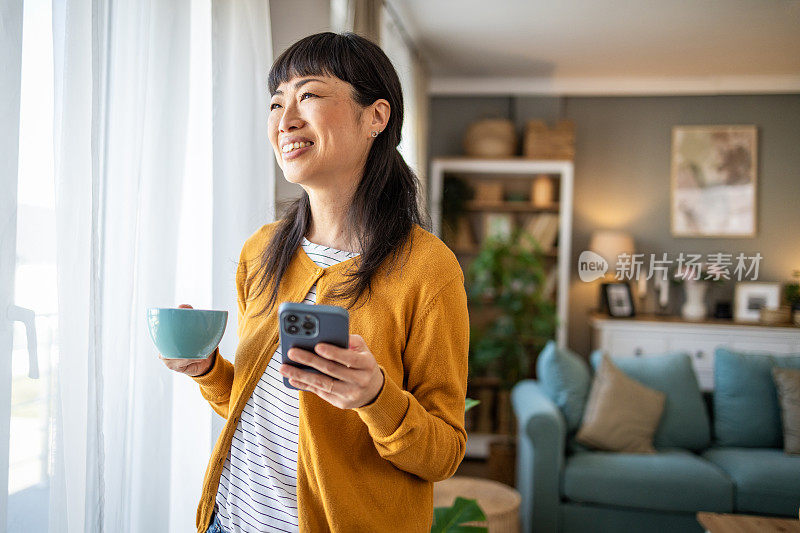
638,352
699,354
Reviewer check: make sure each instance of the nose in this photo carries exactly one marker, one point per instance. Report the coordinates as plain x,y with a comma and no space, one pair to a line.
290,118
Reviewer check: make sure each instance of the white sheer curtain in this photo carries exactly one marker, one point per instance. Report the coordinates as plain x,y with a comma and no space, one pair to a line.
121,77
147,217
359,16
412,72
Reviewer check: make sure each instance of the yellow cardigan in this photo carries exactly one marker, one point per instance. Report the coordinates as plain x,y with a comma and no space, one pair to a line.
371,468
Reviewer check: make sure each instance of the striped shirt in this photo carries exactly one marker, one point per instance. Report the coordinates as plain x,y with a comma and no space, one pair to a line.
257,487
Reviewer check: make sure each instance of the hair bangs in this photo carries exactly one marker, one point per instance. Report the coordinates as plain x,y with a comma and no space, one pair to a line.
310,57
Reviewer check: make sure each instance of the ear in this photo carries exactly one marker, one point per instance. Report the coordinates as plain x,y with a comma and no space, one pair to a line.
378,115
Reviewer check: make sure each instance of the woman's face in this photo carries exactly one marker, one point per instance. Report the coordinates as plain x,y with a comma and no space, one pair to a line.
320,110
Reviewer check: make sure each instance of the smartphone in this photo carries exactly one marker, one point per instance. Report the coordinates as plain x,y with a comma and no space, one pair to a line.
304,325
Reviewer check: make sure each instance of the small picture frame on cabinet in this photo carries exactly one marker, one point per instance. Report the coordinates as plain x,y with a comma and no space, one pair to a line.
617,299
751,296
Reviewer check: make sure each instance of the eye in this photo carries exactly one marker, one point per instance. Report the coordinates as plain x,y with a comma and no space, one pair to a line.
271,107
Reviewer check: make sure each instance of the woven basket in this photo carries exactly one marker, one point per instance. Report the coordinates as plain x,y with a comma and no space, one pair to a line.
542,142
782,315
492,137
500,503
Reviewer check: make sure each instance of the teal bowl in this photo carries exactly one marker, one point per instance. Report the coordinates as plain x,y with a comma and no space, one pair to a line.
182,333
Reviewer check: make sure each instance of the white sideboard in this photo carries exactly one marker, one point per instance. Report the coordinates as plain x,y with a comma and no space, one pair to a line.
653,335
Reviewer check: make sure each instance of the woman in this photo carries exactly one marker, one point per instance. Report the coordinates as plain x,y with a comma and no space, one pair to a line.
359,446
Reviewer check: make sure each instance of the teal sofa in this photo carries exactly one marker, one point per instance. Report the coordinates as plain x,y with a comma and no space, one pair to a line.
730,464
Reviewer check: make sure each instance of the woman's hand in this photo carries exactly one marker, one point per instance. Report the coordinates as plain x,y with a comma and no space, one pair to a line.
358,378
190,367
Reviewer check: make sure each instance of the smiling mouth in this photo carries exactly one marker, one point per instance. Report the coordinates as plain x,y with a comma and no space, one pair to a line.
295,154
290,148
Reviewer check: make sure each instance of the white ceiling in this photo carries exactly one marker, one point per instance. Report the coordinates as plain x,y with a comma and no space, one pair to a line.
606,46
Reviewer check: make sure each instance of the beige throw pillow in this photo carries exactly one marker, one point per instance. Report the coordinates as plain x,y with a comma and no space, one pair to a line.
787,381
621,414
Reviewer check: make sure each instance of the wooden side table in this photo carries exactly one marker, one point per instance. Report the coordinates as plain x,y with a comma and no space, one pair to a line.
499,502
742,523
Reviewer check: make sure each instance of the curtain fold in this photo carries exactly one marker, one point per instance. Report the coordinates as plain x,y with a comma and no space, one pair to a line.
244,173
359,16
412,71
421,111
72,51
10,85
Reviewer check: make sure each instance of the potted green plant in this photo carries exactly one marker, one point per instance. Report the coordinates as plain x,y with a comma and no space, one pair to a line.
508,275
450,519
792,292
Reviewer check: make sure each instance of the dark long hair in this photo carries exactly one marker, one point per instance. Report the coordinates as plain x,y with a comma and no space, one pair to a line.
385,205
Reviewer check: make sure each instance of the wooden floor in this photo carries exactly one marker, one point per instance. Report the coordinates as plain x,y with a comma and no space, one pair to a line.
733,523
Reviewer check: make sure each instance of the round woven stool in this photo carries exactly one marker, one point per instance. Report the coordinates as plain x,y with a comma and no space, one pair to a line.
499,502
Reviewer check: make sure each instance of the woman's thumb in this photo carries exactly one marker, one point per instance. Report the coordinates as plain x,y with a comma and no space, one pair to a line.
356,342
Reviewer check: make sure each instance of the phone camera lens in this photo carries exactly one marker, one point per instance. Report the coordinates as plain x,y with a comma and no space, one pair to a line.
308,325
292,318
292,329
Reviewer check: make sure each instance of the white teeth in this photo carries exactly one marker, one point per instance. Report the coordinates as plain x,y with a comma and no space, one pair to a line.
293,146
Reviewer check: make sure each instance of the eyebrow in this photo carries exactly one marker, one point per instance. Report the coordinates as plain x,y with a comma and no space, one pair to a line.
299,84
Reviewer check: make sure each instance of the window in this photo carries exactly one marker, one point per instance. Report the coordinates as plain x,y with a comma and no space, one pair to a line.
35,281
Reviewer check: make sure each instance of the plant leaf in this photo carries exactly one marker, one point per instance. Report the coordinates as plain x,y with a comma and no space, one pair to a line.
449,519
470,403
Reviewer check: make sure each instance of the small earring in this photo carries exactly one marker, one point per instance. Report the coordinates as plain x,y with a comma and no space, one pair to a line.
374,133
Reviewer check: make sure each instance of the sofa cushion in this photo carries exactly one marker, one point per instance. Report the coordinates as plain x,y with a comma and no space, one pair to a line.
787,382
767,481
565,379
671,480
621,414
746,411
685,422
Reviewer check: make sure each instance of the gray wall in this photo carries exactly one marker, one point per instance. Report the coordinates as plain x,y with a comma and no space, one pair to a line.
622,172
293,20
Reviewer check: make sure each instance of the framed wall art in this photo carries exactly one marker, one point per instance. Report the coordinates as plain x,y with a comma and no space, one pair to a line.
713,181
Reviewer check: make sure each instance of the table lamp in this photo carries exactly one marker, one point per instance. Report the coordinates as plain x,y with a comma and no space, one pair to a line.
609,244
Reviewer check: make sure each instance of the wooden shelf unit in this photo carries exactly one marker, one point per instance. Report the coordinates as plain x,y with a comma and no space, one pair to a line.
515,173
